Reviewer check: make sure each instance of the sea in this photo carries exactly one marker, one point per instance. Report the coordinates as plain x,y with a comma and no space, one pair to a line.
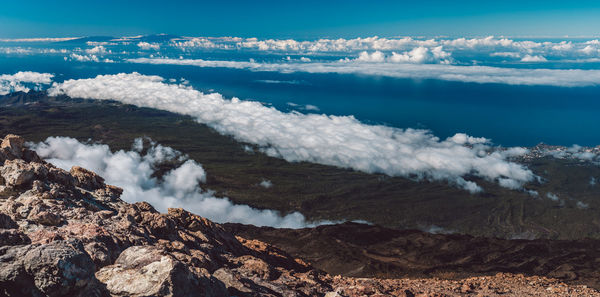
507,114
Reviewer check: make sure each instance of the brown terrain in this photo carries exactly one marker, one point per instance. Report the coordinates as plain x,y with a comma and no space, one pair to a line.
360,250
69,234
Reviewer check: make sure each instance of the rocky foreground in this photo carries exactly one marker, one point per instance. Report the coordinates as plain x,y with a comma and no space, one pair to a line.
69,234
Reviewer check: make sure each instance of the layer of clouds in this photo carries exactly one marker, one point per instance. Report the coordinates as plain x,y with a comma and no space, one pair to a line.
487,46
180,187
340,141
22,81
459,51
46,39
577,152
30,51
15,50
370,65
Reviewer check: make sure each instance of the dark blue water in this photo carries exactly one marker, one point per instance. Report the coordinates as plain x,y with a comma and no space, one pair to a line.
509,115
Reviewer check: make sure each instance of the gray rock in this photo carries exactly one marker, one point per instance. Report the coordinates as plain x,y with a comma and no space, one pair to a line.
149,271
40,215
17,172
13,145
60,268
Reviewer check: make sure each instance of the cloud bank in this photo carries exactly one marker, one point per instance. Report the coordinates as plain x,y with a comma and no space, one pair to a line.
132,171
514,50
566,63
340,141
458,51
22,81
46,39
376,64
584,154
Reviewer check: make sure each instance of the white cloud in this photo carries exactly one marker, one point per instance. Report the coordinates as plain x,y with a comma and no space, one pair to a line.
88,58
311,107
590,50
582,205
422,55
180,187
272,81
375,56
417,55
529,58
22,80
461,138
97,50
514,151
84,58
584,154
532,193
196,42
506,54
552,196
476,74
340,141
148,46
563,46
15,50
266,183
307,107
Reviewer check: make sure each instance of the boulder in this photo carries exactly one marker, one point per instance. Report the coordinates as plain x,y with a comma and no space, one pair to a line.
59,268
150,271
13,144
87,179
17,172
44,217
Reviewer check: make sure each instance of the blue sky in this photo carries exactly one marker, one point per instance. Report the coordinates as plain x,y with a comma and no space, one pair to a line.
299,19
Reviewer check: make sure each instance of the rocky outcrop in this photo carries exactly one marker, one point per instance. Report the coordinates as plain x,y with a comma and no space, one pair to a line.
151,271
69,234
